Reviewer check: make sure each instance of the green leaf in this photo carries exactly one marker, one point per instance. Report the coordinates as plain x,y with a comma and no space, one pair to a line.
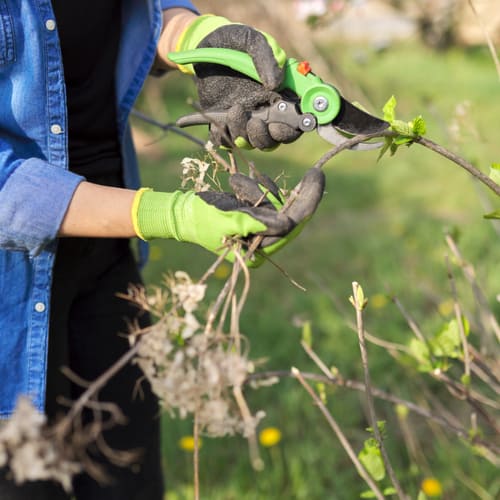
359,302
495,172
493,215
371,494
420,351
407,131
465,379
321,388
419,127
402,139
421,495
402,128
389,110
371,457
307,333
402,411
381,424
385,147
447,342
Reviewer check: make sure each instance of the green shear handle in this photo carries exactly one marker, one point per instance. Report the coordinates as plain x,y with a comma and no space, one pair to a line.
316,97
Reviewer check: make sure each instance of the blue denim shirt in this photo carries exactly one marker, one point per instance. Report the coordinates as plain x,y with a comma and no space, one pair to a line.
35,184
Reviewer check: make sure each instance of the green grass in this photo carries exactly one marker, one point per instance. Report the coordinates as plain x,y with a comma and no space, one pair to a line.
381,224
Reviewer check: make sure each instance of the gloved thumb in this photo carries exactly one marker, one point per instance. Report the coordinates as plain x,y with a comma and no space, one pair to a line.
265,52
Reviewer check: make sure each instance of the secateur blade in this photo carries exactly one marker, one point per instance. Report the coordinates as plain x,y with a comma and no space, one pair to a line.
351,121
354,121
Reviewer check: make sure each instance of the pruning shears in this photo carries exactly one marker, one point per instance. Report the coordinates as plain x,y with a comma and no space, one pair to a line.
319,105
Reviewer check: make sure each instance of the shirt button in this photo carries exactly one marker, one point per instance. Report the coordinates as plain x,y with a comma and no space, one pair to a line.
50,24
39,307
56,128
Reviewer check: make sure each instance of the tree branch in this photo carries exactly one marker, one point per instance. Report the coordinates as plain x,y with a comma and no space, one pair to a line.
380,394
487,181
357,300
340,435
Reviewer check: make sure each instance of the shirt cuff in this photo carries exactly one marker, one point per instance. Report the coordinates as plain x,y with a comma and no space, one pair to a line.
34,201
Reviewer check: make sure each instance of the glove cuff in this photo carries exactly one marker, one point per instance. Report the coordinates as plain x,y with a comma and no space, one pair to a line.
190,38
153,214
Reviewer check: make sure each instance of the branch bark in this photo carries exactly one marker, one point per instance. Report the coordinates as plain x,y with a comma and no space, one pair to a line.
358,306
340,435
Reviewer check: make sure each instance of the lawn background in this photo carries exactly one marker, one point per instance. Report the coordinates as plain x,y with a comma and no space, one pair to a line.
381,224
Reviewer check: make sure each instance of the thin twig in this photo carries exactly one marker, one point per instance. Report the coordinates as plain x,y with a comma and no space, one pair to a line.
418,140
359,305
238,267
167,127
470,275
356,385
460,324
95,387
409,320
473,397
483,371
257,462
319,362
214,310
211,270
340,435
358,139
218,159
246,285
229,297
196,456
489,40
458,389
347,145
487,181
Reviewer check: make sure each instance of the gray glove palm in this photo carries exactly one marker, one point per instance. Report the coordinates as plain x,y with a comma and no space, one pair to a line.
223,89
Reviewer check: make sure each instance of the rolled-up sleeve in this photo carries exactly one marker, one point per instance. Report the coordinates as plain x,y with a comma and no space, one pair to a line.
33,202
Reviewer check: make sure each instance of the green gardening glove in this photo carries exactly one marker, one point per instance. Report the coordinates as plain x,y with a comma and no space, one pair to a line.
223,89
208,218
309,193
186,216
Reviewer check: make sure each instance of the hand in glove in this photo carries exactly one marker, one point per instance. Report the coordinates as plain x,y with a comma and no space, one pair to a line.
221,88
207,218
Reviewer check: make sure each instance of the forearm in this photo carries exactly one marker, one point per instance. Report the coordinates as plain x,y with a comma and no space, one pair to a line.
99,211
174,22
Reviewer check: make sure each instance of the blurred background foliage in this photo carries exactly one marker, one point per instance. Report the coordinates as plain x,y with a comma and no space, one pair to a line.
380,223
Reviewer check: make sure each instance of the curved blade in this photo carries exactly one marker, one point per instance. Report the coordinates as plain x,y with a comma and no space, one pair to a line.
333,136
356,121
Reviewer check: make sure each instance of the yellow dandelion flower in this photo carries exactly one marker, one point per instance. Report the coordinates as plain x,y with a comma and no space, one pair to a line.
269,436
222,271
432,487
378,301
186,443
155,253
446,307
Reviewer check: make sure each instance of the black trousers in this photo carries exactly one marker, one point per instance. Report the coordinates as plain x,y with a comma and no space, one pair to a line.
88,323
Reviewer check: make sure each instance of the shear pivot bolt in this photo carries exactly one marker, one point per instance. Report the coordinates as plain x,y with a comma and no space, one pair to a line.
320,103
282,106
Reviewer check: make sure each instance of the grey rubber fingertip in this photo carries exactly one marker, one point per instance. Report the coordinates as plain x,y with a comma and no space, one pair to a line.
305,204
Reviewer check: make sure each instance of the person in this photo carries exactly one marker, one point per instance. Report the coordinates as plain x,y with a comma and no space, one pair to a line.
70,201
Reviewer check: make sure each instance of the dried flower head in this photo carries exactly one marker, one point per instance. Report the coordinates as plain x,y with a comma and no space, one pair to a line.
189,369
31,452
194,174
